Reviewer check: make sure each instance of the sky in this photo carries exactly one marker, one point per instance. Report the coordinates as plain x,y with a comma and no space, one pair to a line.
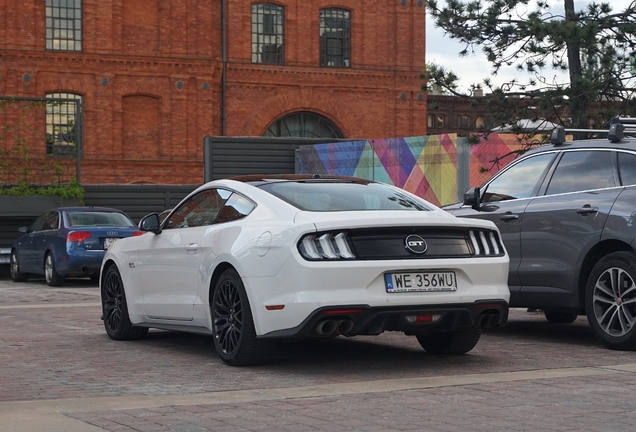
473,68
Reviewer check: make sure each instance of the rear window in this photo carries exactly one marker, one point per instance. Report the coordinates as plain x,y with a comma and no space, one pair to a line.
99,219
326,196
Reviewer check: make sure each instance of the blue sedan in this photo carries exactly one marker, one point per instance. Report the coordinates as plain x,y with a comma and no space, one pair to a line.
68,241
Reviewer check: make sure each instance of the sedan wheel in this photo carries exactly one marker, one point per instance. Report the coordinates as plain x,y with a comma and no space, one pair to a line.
452,342
16,274
610,301
50,274
233,326
115,309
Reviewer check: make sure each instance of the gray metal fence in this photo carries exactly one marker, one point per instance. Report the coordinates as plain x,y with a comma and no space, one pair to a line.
135,200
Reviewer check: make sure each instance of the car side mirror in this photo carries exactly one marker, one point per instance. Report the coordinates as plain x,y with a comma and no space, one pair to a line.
472,197
150,223
24,230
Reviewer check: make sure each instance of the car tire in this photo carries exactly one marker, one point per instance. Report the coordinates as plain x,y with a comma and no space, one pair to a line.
50,273
610,300
453,342
555,317
16,274
115,309
233,328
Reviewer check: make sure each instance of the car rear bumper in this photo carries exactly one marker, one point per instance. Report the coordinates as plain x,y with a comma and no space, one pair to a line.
79,262
351,320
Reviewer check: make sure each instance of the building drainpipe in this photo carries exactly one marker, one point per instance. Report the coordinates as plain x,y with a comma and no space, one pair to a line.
224,63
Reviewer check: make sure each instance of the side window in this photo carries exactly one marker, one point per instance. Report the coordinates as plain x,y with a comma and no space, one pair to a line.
201,209
39,222
49,221
236,207
520,180
582,170
627,168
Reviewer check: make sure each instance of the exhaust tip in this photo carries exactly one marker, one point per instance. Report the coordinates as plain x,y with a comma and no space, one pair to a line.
488,320
326,327
345,326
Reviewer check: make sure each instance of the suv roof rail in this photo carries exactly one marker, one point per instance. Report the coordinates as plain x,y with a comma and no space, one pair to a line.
618,127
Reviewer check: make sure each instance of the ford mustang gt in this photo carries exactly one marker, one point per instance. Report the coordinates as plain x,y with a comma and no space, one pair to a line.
256,259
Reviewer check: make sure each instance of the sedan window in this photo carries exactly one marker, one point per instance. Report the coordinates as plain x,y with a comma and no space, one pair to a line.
520,180
52,221
93,218
627,168
582,170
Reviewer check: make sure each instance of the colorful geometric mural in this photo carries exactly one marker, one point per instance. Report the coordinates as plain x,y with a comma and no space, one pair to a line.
424,165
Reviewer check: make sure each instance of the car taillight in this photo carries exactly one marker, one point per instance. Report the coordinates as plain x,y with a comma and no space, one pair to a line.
138,233
77,236
325,246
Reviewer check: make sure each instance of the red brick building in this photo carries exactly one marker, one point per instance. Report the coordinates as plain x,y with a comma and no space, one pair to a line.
156,76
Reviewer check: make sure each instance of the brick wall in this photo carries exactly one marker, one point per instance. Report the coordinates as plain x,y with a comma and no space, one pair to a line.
150,75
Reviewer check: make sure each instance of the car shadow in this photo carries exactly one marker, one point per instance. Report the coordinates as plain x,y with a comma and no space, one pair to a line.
532,338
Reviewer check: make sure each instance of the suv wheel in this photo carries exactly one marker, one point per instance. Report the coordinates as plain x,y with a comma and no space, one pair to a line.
610,300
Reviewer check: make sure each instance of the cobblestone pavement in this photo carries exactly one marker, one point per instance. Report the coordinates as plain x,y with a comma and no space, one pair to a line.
60,372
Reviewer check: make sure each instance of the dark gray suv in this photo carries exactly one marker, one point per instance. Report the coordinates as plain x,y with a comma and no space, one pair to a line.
567,215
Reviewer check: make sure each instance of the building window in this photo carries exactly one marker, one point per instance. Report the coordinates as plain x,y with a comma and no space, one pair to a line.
465,121
335,39
267,34
62,117
64,25
303,124
437,121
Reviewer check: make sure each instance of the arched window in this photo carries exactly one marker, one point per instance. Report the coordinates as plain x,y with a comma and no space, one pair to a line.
304,125
63,114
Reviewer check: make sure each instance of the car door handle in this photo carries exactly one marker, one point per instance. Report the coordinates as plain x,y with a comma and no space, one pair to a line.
586,210
508,217
191,247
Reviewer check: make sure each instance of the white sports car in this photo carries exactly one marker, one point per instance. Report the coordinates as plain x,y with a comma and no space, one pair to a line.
256,259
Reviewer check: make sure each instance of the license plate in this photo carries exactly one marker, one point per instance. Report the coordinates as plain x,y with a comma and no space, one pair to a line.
418,282
108,242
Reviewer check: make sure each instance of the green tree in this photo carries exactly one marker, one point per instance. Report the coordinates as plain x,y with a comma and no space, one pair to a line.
592,47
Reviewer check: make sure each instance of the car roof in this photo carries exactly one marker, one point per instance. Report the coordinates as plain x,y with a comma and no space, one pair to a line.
88,209
255,179
596,143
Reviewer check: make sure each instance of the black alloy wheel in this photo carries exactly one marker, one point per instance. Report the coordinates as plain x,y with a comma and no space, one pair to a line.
232,324
115,309
16,274
610,300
